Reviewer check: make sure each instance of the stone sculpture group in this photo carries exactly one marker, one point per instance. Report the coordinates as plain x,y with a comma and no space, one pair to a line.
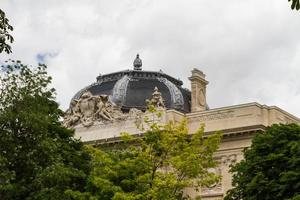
89,109
156,100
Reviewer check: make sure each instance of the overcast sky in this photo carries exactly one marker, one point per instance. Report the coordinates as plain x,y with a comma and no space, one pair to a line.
249,49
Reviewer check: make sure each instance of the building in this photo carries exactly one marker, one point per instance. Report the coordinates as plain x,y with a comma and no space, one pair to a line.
119,99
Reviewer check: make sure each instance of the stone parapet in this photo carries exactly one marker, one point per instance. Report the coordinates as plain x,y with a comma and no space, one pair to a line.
243,116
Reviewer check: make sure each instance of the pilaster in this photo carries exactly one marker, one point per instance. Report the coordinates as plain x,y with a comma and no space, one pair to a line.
198,90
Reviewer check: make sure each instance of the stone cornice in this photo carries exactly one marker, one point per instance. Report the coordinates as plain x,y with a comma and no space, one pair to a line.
230,134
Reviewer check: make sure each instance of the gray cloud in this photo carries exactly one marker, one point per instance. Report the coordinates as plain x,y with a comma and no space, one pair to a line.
249,49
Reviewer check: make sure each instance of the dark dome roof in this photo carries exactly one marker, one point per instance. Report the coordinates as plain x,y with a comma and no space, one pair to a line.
130,89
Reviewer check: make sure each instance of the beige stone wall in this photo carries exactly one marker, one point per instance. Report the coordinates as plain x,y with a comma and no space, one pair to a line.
237,123
239,117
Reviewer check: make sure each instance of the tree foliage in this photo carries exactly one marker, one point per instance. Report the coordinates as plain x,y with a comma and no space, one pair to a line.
158,165
271,168
295,4
39,159
5,37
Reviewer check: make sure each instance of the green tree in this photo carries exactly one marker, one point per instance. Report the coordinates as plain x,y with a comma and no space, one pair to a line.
158,165
39,158
271,167
5,37
295,4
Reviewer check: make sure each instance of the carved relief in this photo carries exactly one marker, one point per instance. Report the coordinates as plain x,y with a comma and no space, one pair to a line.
72,115
228,160
198,89
201,97
216,187
198,97
99,109
87,104
103,108
225,161
213,116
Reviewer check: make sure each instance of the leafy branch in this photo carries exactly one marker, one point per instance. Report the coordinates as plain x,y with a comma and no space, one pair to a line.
5,37
295,4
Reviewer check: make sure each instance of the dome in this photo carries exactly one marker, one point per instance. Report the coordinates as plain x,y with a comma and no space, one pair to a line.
130,89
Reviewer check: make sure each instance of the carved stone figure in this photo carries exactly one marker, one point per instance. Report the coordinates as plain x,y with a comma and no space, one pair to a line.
73,115
89,109
87,105
156,99
102,110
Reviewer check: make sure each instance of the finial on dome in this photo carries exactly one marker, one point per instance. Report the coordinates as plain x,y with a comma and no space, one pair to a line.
137,63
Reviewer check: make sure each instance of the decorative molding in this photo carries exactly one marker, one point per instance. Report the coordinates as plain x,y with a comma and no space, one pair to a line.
139,74
176,95
119,90
215,188
212,116
245,115
227,160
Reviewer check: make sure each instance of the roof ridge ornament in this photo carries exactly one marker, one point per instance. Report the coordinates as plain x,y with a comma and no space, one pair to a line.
137,63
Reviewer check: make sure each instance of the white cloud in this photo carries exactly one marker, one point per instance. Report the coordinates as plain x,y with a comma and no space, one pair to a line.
249,49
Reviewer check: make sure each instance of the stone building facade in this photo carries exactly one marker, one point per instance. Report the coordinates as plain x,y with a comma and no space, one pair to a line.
116,103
